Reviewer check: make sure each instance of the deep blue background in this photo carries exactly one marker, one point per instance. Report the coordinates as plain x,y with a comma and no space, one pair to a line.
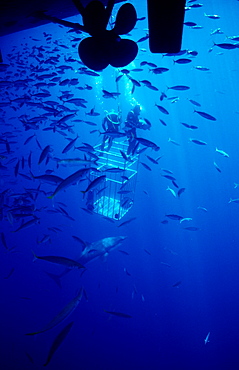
168,324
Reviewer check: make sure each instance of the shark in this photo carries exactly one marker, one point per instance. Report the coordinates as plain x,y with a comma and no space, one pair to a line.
100,248
91,252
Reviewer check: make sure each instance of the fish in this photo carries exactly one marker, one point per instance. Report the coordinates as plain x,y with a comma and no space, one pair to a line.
235,38
172,191
167,171
16,168
44,154
173,141
64,119
92,112
69,145
180,191
148,143
29,357
79,240
212,16
134,82
202,208
114,170
108,94
182,61
163,123
179,87
146,166
57,341
234,200
27,224
197,5
123,252
217,168
86,71
3,240
10,273
222,153
119,314
195,102
205,115
162,96
144,38
176,285
186,219
126,222
191,228
192,127
63,261
124,192
76,161
70,180
28,139
217,31
125,71
90,123
152,159
149,124
42,95
94,183
125,156
79,102
169,177
62,315
198,142
152,87
161,109
48,178
118,77
201,68
190,24
127,272
165,264
159,70
153,65
113,134
146,82
174,217
206,340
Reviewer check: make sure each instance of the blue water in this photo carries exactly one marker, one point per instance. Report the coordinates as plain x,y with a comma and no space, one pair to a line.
177,284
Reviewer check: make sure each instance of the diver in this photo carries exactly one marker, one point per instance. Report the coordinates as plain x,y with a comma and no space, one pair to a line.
104,46
110,125
133,122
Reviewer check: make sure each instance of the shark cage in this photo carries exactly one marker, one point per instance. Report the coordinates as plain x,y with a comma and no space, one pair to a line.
113,197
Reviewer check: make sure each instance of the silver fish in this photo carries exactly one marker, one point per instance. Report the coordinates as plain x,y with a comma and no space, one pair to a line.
62,315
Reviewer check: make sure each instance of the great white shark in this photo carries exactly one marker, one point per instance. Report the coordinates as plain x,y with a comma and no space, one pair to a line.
92,251
100,248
